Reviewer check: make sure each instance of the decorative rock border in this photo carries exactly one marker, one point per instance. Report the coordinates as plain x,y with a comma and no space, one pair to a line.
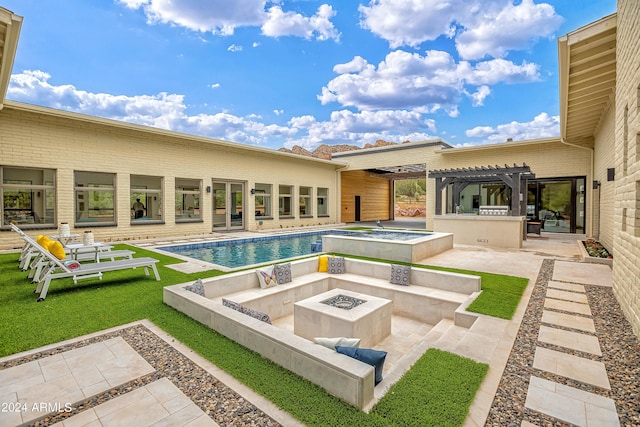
222,404
620,354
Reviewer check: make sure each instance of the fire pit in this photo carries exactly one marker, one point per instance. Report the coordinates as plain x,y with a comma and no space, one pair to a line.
341,313
344,302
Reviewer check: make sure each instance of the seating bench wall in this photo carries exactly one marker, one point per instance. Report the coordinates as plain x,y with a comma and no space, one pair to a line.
343,377
429,295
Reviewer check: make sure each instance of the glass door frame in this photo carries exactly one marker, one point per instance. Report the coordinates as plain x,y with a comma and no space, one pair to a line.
232,219
577,200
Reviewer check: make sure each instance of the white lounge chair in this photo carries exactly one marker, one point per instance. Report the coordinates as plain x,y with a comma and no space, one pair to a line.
32,259
56,269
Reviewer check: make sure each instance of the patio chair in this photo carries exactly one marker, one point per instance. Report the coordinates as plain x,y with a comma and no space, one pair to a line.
32,259
56,269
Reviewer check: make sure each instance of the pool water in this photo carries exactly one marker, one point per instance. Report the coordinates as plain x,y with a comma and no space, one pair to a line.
390,235
240,253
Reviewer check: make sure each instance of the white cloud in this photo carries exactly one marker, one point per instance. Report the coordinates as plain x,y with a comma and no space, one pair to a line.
278,112
501,71
280,23
347,127
214,85
408,23
477,98
409,80
511,28
222,17
234,48
356,65
169,111
542,126
216,16
480,27
165,111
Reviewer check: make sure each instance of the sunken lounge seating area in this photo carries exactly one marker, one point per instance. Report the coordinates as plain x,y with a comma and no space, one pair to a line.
281,321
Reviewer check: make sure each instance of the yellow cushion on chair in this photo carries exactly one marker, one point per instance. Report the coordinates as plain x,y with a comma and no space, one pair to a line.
43,241
57,250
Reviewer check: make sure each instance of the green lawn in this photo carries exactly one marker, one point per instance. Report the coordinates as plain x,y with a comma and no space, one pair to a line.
438,390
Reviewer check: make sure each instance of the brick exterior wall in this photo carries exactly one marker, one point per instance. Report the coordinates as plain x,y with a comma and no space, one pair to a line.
604,197
43,138
626,269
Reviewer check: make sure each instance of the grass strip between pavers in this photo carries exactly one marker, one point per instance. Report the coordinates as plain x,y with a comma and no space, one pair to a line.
71,310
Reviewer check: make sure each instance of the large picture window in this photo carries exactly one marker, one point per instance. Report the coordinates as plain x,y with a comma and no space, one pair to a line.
263,200
285,200
28,196
304,202
188,194
323,202
95,198
146,199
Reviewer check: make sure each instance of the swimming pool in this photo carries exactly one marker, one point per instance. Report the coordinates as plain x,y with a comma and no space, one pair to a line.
259,250
239,253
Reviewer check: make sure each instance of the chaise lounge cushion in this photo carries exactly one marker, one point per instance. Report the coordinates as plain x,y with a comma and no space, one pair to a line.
400,274
246,310
336,265
369,356
283,273
197,287
267,277
341,341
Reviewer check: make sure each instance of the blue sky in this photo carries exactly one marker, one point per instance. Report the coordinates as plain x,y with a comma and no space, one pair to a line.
283,73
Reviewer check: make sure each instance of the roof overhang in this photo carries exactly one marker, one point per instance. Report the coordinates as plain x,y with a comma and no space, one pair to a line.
587,71
10,25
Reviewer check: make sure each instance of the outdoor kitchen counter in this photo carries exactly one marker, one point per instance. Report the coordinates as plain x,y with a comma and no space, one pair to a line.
482,230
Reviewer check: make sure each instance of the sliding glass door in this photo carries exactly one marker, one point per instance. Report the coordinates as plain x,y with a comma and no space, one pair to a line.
559,204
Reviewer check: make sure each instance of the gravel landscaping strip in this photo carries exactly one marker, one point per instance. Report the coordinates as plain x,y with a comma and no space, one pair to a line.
222,404
620,355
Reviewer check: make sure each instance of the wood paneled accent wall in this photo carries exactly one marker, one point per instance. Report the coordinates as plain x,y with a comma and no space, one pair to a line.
375,196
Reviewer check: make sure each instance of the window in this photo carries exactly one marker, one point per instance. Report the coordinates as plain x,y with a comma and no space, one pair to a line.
284,206
323,201
146,199
28,196
188,193
95,198
304,205
263,200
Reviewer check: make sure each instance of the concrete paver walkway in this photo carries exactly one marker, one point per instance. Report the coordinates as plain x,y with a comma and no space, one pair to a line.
568,307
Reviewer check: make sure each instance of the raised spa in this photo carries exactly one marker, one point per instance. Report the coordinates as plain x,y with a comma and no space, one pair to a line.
405,246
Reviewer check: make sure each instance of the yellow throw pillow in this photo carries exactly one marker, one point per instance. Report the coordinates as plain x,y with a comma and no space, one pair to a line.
43,241
57,250
323,263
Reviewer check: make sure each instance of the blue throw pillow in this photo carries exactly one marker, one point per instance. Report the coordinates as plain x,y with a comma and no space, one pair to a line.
369,356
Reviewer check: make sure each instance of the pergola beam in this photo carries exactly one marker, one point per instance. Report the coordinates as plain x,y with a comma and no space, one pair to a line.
515,177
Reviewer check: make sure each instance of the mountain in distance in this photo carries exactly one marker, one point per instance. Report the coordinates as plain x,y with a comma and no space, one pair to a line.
325,151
